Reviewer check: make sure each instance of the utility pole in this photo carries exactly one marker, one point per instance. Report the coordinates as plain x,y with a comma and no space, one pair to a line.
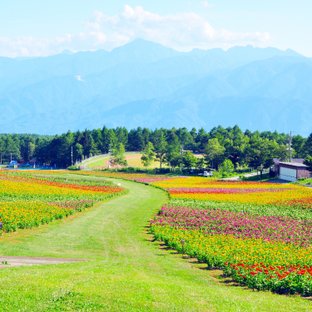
72,155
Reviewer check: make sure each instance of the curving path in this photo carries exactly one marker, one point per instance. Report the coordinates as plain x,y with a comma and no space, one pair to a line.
124,271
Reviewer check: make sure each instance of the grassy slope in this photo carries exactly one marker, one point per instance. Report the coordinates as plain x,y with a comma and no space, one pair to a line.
133,160
125,271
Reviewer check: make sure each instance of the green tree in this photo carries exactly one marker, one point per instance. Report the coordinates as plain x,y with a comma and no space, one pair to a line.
122,135
185,137
173,155
42,151
284,152
118,155
261,151
160,145
297,144
214,152
308,146
30,150
236,145
200,164
136,139
201,140
27,147
146,133
58,151
105,142
89,146
113,141
189,160
97,139
226,168
148,154
78,150
12,147
2,149
308,162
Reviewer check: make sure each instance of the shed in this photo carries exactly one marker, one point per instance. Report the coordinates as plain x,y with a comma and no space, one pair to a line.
292,171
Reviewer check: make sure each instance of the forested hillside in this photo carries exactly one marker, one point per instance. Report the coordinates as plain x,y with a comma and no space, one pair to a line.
247,148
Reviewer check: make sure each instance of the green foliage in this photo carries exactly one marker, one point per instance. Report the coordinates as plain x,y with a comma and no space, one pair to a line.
118,155
242,148
173,153
261,151
305,182
298,143
148,155
214,152
200,163
189,160
160,144
308,146
73,168
226,168
78,150
308,162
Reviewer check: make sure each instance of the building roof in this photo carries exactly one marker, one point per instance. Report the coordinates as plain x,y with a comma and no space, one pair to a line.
293,160
293,164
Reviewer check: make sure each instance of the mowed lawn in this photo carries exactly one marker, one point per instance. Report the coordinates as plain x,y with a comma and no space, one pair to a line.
124,270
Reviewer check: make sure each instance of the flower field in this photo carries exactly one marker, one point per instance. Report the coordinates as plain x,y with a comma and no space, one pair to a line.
260,234
33,198
137,177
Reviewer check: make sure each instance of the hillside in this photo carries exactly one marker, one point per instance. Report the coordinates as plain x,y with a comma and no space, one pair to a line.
145,84
102,161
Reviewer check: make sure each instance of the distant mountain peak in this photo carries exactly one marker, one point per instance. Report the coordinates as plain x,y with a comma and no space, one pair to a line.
142,45
142,50
266,50
146,84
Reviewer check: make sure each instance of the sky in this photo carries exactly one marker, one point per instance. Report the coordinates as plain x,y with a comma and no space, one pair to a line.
39,28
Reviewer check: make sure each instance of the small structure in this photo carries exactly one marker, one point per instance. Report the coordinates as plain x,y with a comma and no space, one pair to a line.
207,174
13,164
291,171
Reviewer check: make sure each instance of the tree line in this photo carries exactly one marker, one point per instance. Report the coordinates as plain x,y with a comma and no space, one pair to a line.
175,147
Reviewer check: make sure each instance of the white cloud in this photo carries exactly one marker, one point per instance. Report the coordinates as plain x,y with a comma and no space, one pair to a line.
181,31
206,4
79,78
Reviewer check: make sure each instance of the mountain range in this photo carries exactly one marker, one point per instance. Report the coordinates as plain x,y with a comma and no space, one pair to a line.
148,85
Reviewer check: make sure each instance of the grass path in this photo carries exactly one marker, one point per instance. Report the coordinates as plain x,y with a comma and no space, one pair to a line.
125,271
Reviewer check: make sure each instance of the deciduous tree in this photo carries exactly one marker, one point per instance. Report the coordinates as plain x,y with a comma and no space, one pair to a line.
148,155
214,152
118,155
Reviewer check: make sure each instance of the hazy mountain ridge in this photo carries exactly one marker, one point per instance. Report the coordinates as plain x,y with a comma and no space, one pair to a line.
145,84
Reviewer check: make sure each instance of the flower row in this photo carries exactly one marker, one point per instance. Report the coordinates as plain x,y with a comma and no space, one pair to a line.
239,258
238,224
27,200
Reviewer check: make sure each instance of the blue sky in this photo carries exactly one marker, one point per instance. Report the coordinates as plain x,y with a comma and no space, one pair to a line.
38,28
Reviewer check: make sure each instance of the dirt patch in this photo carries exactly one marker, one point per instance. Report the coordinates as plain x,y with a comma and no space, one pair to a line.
11,261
